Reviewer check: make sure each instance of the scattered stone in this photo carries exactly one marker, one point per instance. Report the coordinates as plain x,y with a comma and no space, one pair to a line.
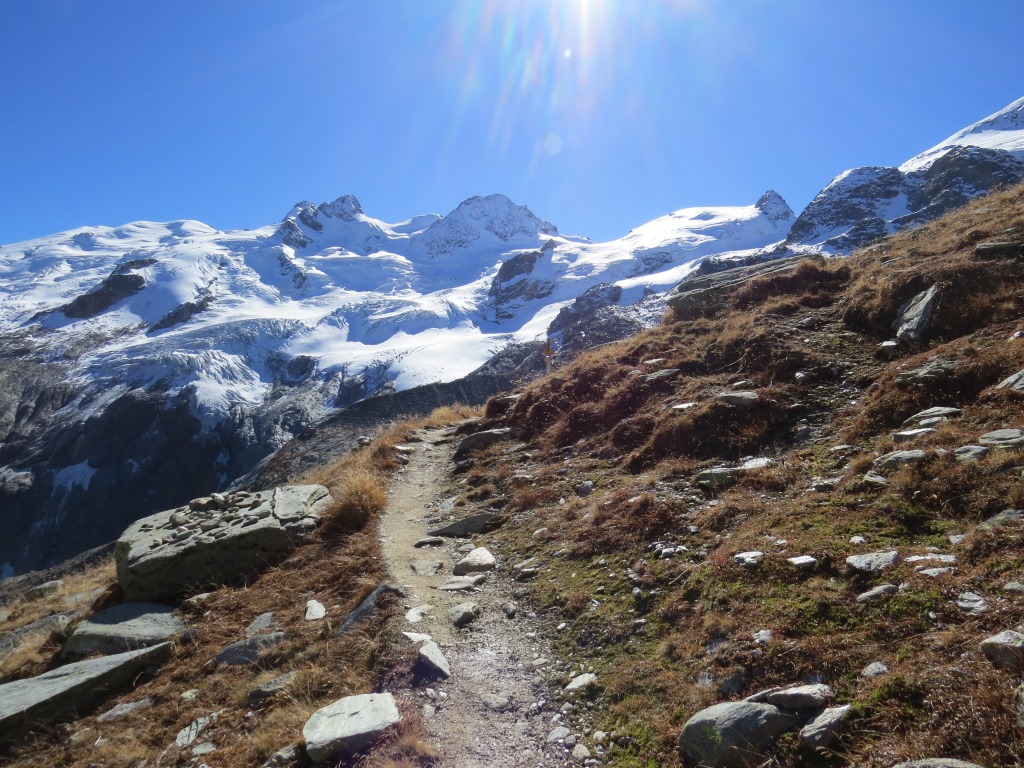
495,702
735,734
1014,586
749,559
874,669
802,562
914,316
429,541
972,603
426,567
584,489
910,435
664,373
938,412
683,406
460,529
999,250
479,440
937,762
889,349
933,572
582,681
430,658
741,399
936,370
873,562
124,709
932,557
289,757
898,459
315,610
122,628
510,610
73,687
825,485
823,729
1002,519
857,540
349,725
44,590
464,614
1003,438
367,609
1005,650
188,735
580,752
156,558
970,452
873,478
260,624
479,560
558,734
247,652
718,477
415,615
270,689
463,583
762,636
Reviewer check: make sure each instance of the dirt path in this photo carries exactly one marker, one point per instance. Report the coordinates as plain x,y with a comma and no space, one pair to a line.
492,710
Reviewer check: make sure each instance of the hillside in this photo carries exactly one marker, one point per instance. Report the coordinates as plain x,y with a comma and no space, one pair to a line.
790,481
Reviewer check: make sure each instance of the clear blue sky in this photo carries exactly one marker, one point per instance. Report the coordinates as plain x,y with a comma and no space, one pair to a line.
598,114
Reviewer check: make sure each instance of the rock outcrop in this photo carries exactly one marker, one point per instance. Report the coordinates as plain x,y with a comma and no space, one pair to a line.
214,540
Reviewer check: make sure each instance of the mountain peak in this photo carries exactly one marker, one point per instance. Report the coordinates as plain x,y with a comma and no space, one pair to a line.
774,206
346,208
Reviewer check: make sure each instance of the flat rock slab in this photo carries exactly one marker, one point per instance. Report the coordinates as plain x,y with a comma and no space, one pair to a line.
1003,438
429,541
74,687
124,627
479,560
743,398
897,459
812,696
1016,382
581,682
367,609
431,659
426,567
349,725
247,652
823,729
211,542
970,452
1005,650
480,440
873,562
124,709
938,412
734,734
270,689
462,583
481,523
878,593
937,762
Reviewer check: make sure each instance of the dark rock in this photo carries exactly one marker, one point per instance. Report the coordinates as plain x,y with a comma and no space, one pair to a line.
481,523
368,607
247,652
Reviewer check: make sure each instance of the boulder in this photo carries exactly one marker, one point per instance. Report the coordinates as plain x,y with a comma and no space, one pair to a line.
1014,382
480,440
898,459
464,614
349,725
431,659
940,411
823,729
1005,650
1003,438
201,543
741,399
479,560
873,562
735,734
122,628
913,317
73,687
463,583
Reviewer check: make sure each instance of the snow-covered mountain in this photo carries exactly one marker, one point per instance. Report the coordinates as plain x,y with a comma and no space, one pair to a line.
863,204
146,364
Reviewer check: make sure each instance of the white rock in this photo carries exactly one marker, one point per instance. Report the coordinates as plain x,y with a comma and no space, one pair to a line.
823,729
581,681
430,656
748,559
478,560
802,562
872,562
315,610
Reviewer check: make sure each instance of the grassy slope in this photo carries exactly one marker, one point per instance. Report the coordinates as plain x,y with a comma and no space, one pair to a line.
600,419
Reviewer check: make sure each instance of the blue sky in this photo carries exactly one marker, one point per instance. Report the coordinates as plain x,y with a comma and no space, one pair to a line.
599,115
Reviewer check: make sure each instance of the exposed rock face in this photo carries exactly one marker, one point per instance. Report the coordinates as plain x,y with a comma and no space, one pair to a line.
214,540
349,725
698,292
911,324
71,687
105,295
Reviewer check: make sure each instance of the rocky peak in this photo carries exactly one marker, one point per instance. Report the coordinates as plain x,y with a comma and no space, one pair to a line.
346,208
774,206
493,214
